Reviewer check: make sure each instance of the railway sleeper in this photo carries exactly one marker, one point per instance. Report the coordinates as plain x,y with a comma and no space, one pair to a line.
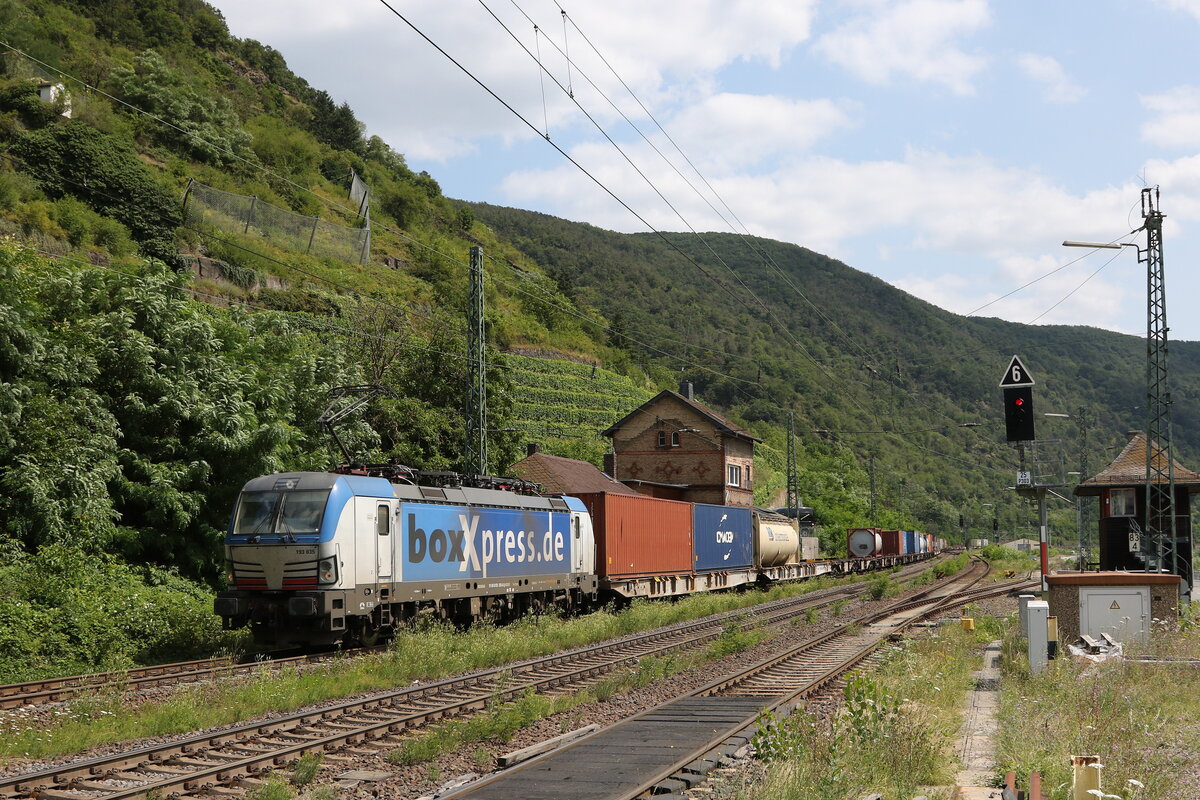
57,794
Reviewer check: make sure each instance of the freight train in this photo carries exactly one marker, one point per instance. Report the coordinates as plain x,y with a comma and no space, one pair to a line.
874,542
317,558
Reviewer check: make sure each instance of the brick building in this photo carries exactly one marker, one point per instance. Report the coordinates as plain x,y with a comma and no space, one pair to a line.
673,447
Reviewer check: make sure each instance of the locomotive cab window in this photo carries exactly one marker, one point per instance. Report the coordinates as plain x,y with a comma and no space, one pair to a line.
383,520
264,513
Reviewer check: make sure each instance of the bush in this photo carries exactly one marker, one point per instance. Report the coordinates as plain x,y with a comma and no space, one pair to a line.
204,124
104,172
69,611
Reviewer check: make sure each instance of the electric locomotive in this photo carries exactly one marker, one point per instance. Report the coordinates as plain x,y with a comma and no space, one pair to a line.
317,558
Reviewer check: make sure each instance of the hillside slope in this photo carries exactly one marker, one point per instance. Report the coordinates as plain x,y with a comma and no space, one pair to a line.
890,375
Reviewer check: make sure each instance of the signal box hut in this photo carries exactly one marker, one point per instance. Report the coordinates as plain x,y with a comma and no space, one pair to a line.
676,448
561,475
1121,487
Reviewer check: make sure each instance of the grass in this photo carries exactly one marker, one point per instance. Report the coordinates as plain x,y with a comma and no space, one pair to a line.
427,652
734,640
894,735
1142,720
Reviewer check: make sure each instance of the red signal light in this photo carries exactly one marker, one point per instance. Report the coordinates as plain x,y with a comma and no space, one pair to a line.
1019,402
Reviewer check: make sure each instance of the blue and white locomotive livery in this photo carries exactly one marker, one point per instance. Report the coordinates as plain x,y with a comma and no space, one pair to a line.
318,557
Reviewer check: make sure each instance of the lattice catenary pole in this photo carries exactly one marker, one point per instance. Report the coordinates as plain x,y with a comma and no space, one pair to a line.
475,457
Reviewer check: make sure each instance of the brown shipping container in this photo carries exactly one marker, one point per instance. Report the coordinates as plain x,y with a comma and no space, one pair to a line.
893,543
638,535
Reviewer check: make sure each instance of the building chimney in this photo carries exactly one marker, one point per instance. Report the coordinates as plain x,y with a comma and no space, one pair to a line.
685,389
532,448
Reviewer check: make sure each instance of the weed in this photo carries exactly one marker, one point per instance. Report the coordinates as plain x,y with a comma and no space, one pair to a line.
427,650
891,736
733,640
482,759
434,774
323,792
305,769
880,587
838,607
810,616
274,789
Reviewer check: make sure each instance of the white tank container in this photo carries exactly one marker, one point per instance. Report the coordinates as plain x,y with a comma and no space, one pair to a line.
864,542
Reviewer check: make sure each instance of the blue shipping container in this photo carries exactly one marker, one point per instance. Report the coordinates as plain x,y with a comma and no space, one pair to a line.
723,538
910,541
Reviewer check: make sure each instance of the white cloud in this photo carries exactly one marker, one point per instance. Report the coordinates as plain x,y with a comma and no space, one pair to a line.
428,109
1177,124
739,130
1187,6
1046,70
915,38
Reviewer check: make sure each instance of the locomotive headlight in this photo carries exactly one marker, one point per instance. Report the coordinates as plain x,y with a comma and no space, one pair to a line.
327,570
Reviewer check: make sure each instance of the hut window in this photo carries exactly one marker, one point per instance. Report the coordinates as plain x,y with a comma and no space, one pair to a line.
662,438
675,439
735,475
1120,502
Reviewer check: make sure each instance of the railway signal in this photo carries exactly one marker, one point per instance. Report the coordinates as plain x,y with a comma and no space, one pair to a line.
1018,384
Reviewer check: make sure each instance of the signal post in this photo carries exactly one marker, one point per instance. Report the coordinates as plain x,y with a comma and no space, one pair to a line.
1018,385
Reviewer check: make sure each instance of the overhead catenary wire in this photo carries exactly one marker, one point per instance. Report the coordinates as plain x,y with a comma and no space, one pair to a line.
595,180
762,255
743,234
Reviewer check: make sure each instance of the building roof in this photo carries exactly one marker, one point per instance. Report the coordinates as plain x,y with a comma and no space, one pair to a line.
566,475
1129,469
722,425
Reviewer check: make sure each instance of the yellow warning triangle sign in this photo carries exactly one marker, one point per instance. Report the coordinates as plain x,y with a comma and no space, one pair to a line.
1114,606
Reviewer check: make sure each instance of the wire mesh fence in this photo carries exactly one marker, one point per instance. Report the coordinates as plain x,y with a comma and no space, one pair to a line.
250,216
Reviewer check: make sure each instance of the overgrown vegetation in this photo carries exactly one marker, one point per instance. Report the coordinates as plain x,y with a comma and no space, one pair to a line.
893,735
1140,719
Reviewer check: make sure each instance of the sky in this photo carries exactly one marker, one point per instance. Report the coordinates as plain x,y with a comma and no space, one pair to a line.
945,146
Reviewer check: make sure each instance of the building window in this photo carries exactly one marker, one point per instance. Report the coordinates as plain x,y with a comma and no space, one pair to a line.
675,439
734,475
383,520
1120,502
662,438
748,483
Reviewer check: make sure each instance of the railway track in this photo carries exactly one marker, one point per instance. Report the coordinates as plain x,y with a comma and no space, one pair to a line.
675,744
209,761
54,690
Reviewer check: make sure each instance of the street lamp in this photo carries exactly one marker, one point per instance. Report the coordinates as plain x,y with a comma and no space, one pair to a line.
1099,245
